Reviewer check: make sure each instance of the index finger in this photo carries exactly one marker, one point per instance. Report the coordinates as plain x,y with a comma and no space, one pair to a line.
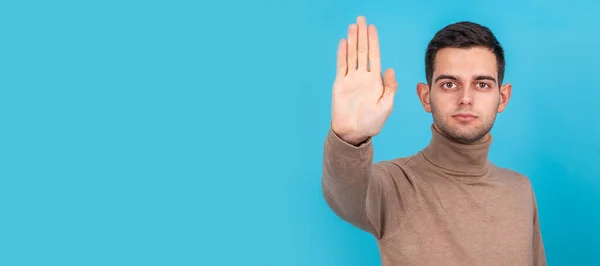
374,53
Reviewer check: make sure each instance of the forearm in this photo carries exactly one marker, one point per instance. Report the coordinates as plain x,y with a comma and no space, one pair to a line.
346,174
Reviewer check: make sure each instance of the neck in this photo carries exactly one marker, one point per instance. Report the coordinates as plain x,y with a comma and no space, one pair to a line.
455,156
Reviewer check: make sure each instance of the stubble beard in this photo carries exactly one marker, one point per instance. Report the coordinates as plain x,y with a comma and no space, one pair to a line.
467,134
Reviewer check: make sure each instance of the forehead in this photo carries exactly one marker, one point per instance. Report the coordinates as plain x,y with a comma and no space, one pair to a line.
465,62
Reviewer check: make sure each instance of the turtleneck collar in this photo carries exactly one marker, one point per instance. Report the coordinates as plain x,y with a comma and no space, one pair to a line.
457,157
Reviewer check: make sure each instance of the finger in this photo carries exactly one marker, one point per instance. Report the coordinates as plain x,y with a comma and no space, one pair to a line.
341,65
390,86
351,47
363,42
374,53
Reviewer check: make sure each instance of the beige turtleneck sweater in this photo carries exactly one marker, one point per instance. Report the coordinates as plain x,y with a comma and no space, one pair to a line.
446,205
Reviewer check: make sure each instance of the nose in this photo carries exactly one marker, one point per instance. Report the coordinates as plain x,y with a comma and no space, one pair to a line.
465,97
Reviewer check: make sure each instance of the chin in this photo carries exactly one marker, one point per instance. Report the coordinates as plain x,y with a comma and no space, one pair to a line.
465,132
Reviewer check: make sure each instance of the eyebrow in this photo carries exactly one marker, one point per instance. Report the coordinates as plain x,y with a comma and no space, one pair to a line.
478,77
485,77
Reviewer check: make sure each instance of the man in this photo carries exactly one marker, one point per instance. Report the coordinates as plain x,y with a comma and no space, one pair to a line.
447,204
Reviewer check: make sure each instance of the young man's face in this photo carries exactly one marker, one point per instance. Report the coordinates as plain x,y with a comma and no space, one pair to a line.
464,95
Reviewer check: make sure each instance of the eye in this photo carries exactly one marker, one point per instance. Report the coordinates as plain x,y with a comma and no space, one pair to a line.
483,85
448,85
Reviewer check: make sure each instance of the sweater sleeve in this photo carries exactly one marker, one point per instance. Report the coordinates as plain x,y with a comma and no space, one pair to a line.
539,255
370,196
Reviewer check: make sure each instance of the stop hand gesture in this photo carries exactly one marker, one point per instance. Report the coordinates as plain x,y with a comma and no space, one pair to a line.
362,98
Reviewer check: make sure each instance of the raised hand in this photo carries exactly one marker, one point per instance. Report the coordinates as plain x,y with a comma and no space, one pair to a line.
362,98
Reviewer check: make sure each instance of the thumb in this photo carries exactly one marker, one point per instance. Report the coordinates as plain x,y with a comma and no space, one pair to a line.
390,85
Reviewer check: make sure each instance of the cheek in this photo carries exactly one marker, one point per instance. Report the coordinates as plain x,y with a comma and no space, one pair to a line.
443,107
488,108
491,104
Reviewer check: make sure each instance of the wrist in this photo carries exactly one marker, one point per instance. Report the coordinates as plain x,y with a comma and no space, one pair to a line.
351,138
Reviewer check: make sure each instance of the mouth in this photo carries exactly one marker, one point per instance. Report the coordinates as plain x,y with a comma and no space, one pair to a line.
464,117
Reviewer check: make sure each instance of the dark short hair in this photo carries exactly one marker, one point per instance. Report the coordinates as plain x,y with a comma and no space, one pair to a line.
463,34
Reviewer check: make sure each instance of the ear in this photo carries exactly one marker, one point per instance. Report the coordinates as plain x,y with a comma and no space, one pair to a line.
505,92
423,94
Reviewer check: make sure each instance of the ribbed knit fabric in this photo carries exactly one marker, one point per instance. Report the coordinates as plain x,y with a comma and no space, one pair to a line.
445,205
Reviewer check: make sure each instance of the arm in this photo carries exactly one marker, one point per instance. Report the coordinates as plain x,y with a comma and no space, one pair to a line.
539,254
359,191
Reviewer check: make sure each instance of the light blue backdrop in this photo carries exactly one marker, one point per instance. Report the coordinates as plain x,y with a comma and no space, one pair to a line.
191,132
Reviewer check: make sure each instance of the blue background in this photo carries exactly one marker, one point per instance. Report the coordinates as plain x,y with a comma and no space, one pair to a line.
191,132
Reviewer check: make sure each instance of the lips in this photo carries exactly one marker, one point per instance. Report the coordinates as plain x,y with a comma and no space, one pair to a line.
464,117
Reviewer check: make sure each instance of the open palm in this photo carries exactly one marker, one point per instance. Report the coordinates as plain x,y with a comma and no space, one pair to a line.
362,98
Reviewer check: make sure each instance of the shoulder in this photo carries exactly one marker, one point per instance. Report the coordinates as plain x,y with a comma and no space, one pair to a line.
395,167
400,162
513,178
